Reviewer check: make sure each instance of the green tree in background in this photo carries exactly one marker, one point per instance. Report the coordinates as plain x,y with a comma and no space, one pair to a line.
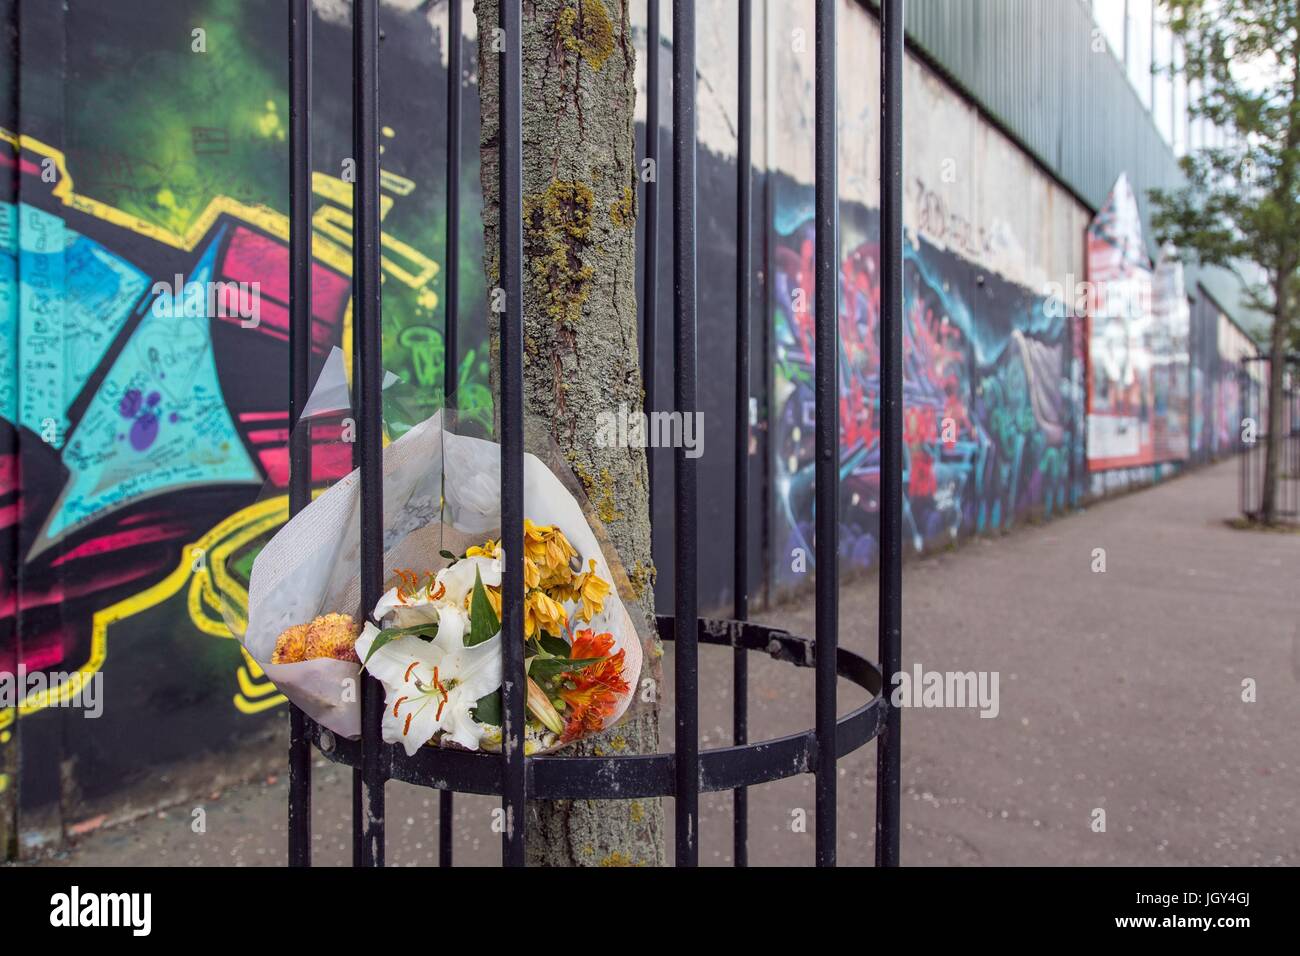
1241,203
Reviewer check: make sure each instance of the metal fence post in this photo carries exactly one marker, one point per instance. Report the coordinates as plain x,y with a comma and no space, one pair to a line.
514,784
367,372
888,759
827,422
650,252
686,686
300,266
740,553
451,289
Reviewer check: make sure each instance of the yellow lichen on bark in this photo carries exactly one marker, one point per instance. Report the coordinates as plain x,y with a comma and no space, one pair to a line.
557,226
618,859
621,210
586,29
642,578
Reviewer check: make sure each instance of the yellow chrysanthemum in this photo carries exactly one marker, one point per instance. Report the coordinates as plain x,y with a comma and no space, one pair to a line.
593,590
489,549
559,554
547,546
544,613
532,575
535,536
493,549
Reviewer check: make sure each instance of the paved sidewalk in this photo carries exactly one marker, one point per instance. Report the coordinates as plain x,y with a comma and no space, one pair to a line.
1119,690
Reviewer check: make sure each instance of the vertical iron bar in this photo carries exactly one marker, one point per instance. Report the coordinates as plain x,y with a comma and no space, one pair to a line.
650,201
367,364
1244,451
300,266
451,309
1257,453
445,806
358,814
744,241
685,530
826,415
514,784
451,280
11,190
888,763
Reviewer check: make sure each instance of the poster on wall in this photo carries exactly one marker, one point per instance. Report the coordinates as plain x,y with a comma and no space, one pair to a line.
1137,344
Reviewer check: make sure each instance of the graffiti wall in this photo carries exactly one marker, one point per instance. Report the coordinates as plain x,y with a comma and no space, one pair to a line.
142,423
1045,358
990,391
1121,407
986,391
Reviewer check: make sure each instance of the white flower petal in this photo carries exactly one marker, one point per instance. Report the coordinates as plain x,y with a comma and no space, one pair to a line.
405,666
386,604
392,662
411,615
423,723
478,668
457,723
459,578
451,630
414,609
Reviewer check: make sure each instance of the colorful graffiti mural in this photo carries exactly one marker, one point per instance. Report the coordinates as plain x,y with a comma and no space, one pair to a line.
142,426
987,418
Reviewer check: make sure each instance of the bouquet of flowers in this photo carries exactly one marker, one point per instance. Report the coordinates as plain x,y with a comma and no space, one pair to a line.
439,652
434,637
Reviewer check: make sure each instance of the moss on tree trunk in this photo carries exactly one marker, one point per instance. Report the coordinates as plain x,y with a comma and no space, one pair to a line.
580,336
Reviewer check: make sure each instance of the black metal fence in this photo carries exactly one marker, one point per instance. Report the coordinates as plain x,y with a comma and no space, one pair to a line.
1253,439
687,771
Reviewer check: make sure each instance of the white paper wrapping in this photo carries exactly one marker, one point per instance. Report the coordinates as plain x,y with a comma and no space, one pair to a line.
311,566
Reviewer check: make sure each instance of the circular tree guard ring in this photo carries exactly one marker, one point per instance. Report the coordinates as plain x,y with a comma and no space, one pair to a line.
555,777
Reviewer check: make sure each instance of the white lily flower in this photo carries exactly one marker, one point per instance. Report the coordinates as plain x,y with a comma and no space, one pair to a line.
459,578
406,610
432,686
401,607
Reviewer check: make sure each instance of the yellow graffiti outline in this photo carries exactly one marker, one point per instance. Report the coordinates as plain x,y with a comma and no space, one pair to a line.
249,672
203,591
142,601
277,224
246,524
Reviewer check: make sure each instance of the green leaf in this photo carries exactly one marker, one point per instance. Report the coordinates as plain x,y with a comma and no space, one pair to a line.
555,645
449,556
541,668
388,634
488,709
483,622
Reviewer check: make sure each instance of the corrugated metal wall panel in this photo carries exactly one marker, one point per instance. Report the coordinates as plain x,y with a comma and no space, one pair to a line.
1030,65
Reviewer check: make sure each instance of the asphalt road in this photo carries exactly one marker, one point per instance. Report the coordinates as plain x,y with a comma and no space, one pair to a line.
1120,691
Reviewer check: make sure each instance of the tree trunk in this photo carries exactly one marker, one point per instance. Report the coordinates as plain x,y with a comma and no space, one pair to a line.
580,336
1276,372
